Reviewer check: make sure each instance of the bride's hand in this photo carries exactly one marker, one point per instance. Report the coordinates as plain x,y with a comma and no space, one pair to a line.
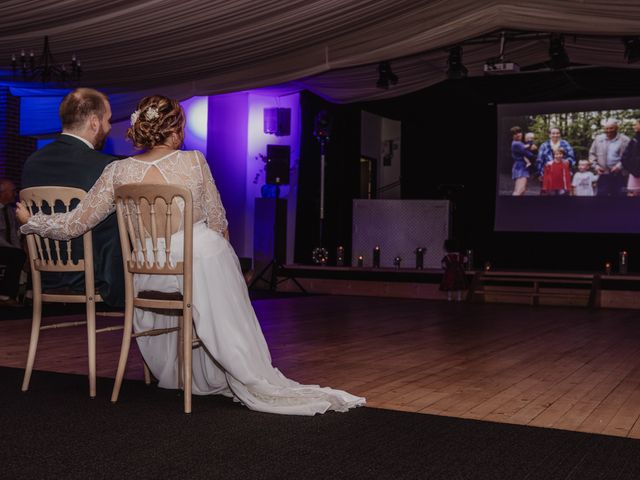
22,214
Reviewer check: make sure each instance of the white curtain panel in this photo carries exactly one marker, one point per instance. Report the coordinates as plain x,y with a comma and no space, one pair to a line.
332,47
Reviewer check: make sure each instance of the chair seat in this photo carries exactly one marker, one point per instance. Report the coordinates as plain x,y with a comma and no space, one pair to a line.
156,295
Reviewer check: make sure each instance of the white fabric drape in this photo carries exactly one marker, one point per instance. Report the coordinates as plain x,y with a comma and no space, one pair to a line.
329,46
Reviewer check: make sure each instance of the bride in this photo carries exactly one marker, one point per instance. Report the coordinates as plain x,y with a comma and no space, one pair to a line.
236,361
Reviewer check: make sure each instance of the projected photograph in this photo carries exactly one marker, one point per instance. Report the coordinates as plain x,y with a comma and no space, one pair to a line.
568,154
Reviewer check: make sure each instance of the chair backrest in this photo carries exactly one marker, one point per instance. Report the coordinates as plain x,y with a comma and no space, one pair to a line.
48,255
148,217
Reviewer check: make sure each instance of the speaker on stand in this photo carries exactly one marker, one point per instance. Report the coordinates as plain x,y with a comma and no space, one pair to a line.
277,174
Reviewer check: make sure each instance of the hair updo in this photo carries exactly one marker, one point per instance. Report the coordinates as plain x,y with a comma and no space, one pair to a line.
155,120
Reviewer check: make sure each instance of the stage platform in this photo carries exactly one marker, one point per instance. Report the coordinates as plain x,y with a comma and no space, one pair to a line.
587,289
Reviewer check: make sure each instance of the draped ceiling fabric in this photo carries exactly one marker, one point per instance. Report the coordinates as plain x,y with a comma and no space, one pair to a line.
331,47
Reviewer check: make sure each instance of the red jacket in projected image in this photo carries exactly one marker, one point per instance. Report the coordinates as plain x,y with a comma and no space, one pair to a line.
557,176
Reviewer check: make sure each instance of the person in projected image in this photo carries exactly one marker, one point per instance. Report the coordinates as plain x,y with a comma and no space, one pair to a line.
547,149
584,180
529,144
520,156
631,161
557,175
605,155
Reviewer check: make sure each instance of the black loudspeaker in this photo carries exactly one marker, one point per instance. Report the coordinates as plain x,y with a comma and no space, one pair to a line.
278,164
277,121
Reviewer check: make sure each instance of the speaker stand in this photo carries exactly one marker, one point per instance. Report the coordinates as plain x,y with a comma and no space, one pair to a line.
269,274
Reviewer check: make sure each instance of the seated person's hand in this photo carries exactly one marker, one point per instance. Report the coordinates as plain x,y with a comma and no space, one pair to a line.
22,214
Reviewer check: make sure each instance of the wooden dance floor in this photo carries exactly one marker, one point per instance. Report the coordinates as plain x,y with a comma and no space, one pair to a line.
566,368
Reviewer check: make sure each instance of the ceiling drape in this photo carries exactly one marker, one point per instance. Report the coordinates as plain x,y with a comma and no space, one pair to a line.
331,47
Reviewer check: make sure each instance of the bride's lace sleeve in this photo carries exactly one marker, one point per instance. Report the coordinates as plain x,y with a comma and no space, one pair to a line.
214,213
95,207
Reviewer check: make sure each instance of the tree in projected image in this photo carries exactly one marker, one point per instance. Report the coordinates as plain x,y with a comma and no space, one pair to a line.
580,128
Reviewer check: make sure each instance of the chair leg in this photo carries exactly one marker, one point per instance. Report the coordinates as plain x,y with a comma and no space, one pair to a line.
33,343
187,326
180,352
124,350
91,341
147,373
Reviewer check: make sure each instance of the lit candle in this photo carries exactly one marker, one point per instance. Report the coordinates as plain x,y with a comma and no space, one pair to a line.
607,268
624,262
376,257
340,256
360,261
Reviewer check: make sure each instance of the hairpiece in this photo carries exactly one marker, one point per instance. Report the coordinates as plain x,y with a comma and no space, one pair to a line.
151,113
134,117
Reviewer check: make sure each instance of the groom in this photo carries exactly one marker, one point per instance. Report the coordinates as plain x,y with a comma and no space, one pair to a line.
73,160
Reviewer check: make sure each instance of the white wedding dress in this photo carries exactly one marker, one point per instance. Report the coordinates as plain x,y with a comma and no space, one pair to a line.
235,360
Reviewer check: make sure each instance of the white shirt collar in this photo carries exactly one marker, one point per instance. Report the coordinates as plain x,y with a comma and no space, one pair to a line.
83,140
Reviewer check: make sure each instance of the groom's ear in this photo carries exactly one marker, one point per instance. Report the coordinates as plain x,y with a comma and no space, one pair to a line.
94,123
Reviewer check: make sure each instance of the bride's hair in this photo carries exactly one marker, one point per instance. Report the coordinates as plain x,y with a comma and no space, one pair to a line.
155,120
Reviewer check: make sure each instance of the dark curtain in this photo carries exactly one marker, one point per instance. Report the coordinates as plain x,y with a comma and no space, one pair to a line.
341,179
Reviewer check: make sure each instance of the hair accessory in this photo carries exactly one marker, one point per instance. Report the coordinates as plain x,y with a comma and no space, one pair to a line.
151,113
134,117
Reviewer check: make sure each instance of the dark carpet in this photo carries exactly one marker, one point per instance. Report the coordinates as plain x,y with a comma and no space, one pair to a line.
55,431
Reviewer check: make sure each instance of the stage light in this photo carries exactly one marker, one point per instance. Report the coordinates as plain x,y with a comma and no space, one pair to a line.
631,49
386,76
558,57
320,256
456,69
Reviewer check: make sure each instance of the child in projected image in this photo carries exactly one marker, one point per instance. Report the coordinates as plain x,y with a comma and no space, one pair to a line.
529,139
584,180
454,279
557,175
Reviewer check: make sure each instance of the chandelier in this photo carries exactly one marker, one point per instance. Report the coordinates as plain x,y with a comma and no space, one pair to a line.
45,68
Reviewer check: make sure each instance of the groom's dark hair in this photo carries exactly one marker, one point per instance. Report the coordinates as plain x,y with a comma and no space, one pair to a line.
79,104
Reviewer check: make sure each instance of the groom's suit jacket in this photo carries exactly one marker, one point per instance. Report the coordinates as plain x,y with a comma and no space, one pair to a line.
68,162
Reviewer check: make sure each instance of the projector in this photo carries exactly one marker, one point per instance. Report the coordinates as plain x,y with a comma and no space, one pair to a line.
501,67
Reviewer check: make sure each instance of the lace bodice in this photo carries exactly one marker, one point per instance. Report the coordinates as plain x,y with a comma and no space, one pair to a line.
188,169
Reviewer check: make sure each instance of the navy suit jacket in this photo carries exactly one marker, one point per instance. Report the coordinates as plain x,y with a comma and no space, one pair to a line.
68,162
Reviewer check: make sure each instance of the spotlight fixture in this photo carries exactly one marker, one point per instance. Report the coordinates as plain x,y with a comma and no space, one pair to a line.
558,58
631,49
386,77
456,69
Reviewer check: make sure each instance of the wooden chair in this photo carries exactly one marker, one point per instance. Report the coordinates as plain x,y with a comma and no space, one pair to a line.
46,255
148,216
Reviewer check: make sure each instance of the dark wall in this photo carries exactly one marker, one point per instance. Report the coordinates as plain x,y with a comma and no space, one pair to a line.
449,150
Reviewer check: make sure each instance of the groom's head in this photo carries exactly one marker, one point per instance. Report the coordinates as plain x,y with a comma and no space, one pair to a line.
86,112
